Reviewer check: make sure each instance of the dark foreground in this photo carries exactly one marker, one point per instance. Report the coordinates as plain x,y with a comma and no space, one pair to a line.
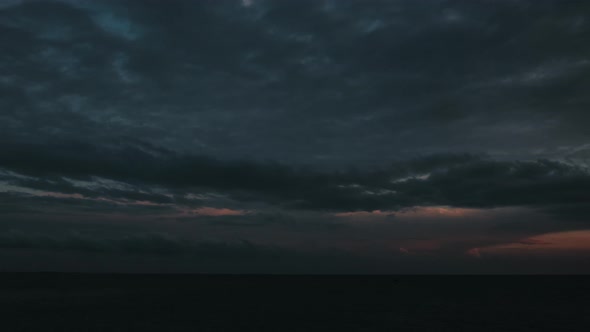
71,302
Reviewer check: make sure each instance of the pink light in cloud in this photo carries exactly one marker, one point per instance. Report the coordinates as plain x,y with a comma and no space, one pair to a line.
97,199
534,242
203,211
437,211
420,212
61,195
474,252
218,212
546,244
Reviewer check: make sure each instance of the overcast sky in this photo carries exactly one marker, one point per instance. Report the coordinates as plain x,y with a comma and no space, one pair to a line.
301,136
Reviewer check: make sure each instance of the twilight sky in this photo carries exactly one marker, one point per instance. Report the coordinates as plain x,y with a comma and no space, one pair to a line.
295,136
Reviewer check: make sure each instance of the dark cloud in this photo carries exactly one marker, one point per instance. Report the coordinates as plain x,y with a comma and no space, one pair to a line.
570,211
454,180
147,243
296,221
177,253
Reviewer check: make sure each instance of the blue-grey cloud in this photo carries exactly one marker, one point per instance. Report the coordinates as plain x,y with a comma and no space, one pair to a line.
310,82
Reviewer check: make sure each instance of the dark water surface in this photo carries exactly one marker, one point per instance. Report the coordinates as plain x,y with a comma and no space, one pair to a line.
84,302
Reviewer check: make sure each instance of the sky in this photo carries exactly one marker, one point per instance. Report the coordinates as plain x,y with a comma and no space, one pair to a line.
295,136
